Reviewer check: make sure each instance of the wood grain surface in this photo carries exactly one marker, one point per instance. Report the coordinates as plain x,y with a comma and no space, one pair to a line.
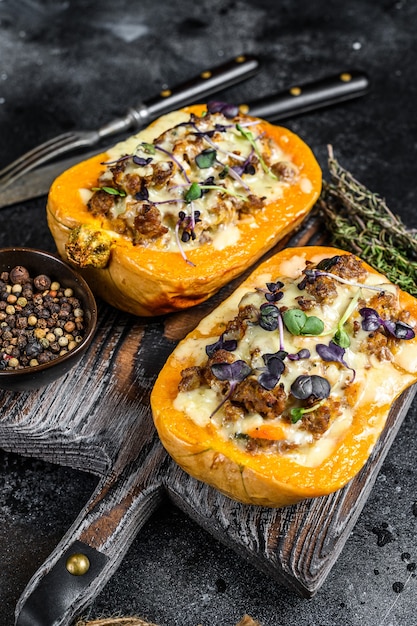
97,419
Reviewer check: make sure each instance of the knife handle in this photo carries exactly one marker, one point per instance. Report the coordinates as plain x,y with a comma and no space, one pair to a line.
91,551
309,96
207,82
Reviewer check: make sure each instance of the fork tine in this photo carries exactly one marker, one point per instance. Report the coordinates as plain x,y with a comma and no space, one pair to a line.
47,145
42,153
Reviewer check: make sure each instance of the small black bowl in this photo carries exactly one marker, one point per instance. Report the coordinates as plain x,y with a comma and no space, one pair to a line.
39,262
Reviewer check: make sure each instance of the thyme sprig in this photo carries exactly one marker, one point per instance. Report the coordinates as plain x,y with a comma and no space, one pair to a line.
359,220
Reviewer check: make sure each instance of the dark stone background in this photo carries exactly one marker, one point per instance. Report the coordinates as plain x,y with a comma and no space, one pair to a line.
67,64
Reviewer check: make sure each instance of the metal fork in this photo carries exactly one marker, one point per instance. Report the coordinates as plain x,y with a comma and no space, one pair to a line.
207,82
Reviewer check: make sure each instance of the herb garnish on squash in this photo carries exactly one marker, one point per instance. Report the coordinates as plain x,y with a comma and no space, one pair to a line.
163,220
270,415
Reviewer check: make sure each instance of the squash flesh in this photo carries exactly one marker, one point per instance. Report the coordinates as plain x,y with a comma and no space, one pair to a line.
272,479
148,281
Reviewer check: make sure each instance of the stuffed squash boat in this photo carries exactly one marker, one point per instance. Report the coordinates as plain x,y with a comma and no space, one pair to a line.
164,219
281,392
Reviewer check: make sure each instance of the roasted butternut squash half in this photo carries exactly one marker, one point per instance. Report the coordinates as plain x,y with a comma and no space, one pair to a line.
281,392
164,219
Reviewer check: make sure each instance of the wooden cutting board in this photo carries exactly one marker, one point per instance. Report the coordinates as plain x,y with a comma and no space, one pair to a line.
97,419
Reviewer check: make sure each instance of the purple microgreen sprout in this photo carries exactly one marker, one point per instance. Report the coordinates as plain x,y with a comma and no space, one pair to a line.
247,167
313,387
372,321
206,136
110,190
281,332
301,354
234,173
274,367
172,156
334,353
141,161
228,110
180,223
315,273
269,316
221,344
307,387
274,293
249,137
143,194
234,373
187,224
125,157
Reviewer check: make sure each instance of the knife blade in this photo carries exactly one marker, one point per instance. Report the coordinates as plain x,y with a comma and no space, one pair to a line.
295,100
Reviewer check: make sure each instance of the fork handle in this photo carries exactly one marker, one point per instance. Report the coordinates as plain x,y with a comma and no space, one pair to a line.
207,82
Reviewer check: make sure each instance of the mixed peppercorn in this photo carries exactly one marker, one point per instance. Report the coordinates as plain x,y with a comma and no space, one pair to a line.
40,319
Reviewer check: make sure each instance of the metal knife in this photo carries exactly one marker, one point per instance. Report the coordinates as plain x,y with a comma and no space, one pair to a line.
196,89
292,101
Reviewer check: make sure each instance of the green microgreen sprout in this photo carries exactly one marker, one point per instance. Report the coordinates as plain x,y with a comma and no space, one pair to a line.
298,323
298,412
206,158
307,387
341,337
248,135
110,190
195,191
149,148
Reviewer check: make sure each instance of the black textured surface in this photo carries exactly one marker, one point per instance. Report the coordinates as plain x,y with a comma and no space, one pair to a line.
77,63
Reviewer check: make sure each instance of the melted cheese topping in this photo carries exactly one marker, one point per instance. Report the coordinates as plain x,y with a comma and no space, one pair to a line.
172,146
363,378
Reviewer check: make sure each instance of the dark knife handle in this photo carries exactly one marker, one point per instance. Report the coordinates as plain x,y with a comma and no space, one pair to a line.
207,82
309,96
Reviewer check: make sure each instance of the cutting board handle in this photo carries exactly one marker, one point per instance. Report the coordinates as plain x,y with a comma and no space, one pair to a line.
90,552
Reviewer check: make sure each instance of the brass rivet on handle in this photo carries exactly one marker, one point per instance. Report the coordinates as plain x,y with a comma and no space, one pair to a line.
240,59
295,91
78,564
346,77
205,74
165,93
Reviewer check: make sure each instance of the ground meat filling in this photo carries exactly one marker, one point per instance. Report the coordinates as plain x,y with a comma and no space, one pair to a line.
206,154
236,328
323,289
271,383
255,399
147,223
101,203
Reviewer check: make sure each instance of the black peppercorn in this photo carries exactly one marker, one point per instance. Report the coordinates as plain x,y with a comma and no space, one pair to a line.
31,309
42,282
19,275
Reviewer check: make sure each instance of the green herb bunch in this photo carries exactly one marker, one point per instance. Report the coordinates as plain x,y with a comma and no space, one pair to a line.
361,222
